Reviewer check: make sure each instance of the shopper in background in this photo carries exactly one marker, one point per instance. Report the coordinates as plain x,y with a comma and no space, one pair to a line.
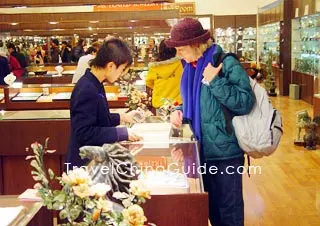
91,121
4,68
164,76
208,101
83,62
38,59
78,51
65,52
19,57
55,51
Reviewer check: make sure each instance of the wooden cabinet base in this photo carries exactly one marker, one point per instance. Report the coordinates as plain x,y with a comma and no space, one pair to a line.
178,210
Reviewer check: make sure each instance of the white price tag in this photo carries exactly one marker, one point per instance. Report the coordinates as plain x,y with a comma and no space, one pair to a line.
297,13
306,10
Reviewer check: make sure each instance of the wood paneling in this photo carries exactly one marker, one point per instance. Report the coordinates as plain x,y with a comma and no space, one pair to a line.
224,21
306,83
50,3
19,135
17,173
178,210
1,176
246,21
88,16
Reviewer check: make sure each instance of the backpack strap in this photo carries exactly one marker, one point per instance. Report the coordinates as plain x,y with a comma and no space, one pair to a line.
221,58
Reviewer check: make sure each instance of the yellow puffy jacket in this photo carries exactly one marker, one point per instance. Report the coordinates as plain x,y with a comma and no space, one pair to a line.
164,78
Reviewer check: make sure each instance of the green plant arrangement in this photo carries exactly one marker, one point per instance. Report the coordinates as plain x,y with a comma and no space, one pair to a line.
270,82
83,203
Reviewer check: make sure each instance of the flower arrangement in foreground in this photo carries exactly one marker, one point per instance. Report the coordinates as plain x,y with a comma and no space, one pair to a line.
138,99
81,202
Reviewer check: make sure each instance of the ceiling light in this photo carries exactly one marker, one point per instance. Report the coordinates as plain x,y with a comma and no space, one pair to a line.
95,34
94,21
53,22
132,21
90,28
14,24
27,30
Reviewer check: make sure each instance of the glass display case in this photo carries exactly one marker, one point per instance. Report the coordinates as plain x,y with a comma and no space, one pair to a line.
226,38
306,44
241,41
21,96
169,159
247,43
269,41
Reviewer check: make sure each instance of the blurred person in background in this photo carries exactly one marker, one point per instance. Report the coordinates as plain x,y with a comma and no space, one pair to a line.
55,51
78,51
164,76
22,63
83,62
65,52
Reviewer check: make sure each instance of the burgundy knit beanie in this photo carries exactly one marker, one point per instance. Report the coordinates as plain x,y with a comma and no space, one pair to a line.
187,32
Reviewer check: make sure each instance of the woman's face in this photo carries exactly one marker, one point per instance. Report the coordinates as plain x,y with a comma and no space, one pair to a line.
114,72
188,53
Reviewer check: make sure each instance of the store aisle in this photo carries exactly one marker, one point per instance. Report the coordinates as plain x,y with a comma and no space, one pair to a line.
287,192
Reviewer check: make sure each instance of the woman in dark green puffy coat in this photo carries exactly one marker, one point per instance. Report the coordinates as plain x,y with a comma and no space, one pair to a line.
211,95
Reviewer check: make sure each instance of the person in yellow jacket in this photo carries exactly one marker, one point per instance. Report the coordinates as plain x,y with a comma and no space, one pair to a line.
164,76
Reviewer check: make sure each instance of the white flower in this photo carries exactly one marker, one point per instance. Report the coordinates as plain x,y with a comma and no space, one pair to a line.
127,202
99,189
138,188
120,195
134,215
104,205
81,190
76,177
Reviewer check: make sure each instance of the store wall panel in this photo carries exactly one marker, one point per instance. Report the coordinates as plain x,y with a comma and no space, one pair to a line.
18,135
246,21
17,173
1,177
224,21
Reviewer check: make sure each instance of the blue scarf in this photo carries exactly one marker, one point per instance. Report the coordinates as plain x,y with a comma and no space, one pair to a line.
191,88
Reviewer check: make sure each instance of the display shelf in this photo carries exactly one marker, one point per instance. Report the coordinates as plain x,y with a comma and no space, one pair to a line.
269,40
226,38
306,45
246,46
48,97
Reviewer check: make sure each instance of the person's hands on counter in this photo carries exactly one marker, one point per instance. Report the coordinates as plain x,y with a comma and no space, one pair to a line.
133,137
131,117
176,118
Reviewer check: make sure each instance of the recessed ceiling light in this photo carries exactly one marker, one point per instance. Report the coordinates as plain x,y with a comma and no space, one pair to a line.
14,24
94,21
95,34
133,21
53,22
90,28
27,30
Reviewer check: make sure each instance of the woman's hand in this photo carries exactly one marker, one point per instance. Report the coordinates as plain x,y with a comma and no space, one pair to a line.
176,118
210,72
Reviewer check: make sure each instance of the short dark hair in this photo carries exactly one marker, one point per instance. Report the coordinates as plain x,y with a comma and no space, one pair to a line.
113,50
55,41
166,53
11,46
90,50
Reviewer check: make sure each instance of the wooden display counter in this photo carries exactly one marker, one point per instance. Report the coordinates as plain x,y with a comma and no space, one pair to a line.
48,101
45,79
306,83
15,172
35,214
